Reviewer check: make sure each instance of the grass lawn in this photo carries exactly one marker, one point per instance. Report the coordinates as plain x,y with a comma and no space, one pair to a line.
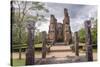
25,46
17,62
94,50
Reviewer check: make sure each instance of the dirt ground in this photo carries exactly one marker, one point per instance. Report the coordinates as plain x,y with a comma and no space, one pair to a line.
59,53
55,54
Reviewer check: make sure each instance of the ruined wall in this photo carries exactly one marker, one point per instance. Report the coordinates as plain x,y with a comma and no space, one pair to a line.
66,28
52,28
58,31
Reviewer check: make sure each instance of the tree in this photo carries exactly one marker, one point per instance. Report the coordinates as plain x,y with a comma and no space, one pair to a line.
82,35
93,32
22,10
38,37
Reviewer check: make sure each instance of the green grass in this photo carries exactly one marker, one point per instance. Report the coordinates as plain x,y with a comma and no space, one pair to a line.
17,62
94,50
38,45
25,46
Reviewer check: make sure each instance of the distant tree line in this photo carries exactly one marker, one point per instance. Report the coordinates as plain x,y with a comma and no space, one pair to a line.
93,32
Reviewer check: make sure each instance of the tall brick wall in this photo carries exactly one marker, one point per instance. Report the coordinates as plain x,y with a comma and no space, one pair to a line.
58,31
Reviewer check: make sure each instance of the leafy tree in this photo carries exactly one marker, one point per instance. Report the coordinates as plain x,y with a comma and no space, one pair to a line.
93,32
21,14
38,37
82,35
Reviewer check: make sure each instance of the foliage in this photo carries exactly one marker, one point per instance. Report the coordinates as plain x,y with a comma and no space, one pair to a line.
82,35
21,13
38,37
17,62
93,33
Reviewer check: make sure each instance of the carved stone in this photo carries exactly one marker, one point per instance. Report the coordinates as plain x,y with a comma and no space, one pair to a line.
43,44
76,41
89,52
30,53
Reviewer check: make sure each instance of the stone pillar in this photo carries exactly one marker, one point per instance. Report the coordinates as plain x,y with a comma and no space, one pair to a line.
76,41
89,53
52,28
30,53
66,28
43,45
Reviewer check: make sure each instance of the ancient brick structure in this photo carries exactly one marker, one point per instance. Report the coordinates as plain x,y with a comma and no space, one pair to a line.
52,28
66,27
59,32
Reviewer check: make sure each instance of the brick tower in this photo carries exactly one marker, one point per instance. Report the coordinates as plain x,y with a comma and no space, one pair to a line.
66,28
52,28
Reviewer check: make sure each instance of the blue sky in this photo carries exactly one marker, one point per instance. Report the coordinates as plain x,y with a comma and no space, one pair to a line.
78,14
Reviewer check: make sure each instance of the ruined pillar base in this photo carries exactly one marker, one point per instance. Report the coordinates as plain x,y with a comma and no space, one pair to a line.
30,60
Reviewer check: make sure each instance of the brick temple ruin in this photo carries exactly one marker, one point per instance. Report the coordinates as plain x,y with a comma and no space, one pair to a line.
60,32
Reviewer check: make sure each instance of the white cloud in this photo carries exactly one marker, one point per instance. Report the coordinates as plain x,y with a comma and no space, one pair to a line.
78,14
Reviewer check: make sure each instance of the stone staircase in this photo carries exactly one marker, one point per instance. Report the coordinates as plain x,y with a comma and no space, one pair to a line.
59,44
60,48
61,54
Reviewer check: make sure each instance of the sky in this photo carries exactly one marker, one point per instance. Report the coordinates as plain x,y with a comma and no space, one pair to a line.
78,14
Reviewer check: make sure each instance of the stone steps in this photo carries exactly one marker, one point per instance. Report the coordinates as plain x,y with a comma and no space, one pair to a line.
54,60
60,43
60,48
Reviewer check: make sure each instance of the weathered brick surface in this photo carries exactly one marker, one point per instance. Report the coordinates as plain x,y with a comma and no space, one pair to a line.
58,31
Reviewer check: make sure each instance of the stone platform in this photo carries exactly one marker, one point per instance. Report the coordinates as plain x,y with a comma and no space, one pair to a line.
54,60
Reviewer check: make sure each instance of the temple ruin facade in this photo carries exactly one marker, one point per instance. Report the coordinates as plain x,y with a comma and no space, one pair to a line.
60,32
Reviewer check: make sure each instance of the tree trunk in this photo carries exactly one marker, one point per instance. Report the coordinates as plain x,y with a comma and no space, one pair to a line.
20,43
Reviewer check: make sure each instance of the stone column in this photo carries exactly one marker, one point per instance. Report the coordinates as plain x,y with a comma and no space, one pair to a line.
43,45
89,53
76,41
30,53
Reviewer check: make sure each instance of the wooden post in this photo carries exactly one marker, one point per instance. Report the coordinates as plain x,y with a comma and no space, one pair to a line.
89,53
43,44
30,53
76,44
